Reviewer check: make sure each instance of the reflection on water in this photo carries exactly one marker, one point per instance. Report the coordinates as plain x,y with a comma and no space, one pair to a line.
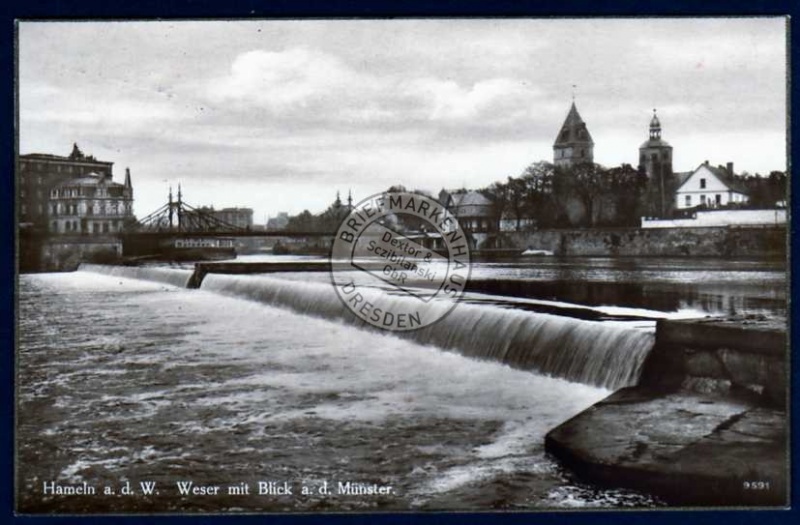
699,286
713,286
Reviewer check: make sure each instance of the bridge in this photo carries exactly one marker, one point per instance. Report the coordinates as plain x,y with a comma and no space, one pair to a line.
178,219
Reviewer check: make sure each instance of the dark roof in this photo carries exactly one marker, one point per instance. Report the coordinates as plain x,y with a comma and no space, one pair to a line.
90,179
49,156
680,177
728,179
720,172
574,130
470,198
43,156
655,143
467,203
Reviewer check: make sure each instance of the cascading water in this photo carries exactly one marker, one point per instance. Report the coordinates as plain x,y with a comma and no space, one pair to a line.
589,352
175,277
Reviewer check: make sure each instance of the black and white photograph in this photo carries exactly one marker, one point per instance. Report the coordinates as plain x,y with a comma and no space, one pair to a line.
390,265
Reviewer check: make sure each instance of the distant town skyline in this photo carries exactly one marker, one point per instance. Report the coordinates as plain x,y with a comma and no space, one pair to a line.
280,115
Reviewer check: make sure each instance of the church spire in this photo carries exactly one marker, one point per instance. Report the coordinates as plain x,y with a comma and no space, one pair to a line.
574,144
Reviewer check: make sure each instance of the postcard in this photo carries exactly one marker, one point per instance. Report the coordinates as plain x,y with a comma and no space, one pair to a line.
280,266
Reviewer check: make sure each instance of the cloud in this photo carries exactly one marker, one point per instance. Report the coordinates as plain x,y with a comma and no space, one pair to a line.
289,82
303,108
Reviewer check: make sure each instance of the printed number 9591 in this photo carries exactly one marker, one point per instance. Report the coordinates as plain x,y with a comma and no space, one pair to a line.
755,485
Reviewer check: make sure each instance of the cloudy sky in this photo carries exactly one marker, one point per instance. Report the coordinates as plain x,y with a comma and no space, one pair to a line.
279,115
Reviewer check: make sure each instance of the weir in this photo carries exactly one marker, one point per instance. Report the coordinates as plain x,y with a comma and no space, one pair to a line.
584,351
173,276
699,408
593,353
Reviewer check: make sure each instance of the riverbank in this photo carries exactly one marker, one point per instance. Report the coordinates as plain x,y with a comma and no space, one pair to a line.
707,424
740,241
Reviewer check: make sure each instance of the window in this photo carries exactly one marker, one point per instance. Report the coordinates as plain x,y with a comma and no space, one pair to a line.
718,199
95,228
688,200
702,184
54,226
703,200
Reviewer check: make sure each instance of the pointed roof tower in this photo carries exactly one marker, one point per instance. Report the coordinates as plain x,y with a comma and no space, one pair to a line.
574,144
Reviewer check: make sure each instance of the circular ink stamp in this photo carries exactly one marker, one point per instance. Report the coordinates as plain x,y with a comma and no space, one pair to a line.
400,261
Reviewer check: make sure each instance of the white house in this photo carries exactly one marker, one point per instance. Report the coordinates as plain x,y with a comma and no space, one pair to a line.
711,187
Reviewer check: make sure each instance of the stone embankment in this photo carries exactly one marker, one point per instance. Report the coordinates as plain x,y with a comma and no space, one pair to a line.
705,426
739,241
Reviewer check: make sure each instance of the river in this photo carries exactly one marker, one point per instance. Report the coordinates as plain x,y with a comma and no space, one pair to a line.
128,377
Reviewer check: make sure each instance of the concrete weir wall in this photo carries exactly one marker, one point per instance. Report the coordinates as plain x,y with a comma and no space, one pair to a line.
706,425
716,356
740,241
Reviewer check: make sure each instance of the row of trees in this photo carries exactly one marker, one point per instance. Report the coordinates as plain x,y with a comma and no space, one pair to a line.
326,222
583,195
587,195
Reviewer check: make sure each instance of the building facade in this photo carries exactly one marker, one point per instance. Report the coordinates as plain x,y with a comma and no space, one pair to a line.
474,212
92,204
574,144
239,217
39,173
710,187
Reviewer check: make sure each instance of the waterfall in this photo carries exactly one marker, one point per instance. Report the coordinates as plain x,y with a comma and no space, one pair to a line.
175,277
590,352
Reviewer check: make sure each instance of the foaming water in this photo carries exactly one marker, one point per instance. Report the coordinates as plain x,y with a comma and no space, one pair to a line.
165,384
610,356
173,276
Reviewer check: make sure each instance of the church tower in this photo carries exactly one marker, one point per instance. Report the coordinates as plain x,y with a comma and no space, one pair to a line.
655,159
655,155
574,144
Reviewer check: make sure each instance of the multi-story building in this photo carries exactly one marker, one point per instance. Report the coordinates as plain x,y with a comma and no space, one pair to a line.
710,187
239,217
69,210
39,173
92,204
